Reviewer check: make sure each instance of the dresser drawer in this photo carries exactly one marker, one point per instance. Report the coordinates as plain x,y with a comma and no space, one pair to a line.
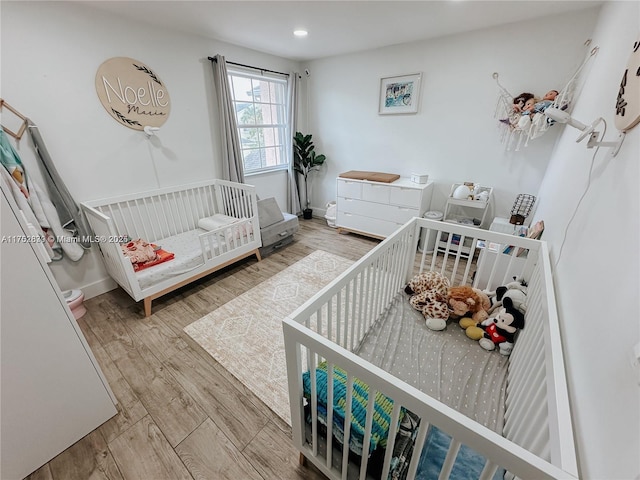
373,226
409,197
376,192
376,210
349,189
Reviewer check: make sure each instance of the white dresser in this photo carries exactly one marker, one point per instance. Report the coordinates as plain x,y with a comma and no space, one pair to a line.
378,209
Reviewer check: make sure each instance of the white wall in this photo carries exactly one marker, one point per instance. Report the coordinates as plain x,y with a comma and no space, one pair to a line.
50,54
454,137
596,275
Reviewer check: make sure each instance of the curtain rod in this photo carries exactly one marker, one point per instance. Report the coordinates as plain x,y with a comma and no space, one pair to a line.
213,59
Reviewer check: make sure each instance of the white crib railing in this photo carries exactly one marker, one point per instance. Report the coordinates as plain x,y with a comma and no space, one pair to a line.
172,211
538,439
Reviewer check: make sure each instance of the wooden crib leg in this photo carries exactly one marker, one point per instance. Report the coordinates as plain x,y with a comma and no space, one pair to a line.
303,460
258,255
147,307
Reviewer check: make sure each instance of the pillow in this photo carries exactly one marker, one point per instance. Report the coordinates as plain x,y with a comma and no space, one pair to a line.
216,221
219,220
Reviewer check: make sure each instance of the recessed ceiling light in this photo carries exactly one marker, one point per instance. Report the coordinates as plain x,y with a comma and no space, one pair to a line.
300,33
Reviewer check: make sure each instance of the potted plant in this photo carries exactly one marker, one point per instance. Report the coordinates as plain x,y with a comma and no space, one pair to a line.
305,161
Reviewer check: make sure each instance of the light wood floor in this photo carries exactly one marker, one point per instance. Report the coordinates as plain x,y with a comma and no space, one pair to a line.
181,415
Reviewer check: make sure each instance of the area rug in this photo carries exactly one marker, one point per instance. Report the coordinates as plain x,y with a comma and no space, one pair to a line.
245,334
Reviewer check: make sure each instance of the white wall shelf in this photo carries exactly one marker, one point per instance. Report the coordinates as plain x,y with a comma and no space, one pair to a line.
471,213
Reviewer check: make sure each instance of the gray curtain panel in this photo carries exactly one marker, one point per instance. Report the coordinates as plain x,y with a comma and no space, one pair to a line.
232,165
293,199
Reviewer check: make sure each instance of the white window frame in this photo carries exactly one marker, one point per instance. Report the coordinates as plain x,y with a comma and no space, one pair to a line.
275,128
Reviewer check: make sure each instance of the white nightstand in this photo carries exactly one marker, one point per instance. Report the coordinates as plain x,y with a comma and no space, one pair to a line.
502,225
506,267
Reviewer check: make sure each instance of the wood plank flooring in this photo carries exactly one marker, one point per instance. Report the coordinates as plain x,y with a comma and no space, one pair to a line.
181,415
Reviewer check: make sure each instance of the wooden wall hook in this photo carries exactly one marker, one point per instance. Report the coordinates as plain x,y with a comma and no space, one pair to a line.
17,135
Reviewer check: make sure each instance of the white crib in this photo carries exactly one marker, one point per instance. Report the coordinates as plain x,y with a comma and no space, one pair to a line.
537,440
169,217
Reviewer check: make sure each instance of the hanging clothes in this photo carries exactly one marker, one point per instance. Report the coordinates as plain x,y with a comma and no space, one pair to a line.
69,213
47,215
11,161
37,207
13,177
11,186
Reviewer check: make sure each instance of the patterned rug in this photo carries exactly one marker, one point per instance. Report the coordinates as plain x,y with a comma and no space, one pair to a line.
245,334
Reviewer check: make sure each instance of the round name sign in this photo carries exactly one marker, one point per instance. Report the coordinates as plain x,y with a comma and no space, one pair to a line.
132,93
628,100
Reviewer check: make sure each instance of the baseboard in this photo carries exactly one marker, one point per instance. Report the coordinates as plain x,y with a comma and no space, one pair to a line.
319,212
98,288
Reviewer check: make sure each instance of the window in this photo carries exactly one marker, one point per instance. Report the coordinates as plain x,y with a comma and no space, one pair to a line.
261,112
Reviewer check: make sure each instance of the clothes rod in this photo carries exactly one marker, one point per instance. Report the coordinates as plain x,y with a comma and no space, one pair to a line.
213,59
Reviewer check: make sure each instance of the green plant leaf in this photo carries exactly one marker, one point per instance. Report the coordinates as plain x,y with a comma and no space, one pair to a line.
305,158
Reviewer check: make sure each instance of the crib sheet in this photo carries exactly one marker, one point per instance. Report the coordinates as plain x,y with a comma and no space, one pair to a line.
187,256
446,365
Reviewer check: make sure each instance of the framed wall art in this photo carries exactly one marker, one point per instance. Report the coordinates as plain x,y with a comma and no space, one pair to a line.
399,94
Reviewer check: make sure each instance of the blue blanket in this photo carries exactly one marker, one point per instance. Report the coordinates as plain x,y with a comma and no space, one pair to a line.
468,464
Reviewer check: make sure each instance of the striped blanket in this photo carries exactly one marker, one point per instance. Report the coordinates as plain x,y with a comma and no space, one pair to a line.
383,407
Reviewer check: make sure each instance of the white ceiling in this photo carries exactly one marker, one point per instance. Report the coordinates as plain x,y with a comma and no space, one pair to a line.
335,27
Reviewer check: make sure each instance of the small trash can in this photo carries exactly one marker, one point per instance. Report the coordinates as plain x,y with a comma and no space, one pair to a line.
431,215
331,214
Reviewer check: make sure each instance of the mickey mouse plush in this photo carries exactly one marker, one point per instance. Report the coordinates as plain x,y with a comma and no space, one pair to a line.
500,329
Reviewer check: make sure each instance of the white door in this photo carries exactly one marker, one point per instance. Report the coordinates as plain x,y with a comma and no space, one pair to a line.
53,392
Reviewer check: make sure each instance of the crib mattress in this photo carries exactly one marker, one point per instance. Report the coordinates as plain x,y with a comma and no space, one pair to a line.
446,365
187,257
